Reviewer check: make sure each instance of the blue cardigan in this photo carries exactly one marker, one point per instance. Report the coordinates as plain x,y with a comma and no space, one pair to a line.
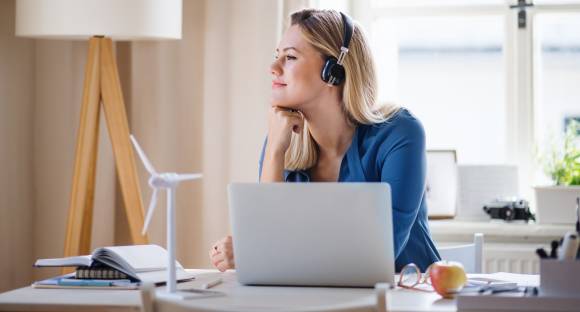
393,152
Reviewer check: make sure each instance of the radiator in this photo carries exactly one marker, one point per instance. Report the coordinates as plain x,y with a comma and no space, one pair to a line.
513,258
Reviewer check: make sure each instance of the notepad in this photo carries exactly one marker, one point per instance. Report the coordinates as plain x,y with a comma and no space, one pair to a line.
145,263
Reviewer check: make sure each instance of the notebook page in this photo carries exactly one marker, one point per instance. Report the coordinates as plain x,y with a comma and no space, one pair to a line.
520,279
142,258
61,262
161,276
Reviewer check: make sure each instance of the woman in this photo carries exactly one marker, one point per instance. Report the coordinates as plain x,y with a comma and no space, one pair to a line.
321,130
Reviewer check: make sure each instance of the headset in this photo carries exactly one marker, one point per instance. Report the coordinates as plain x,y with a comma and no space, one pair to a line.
333,72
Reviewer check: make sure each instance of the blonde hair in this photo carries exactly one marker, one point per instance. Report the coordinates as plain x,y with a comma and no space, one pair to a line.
324,30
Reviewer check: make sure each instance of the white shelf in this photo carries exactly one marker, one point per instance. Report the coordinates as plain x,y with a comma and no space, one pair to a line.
496,231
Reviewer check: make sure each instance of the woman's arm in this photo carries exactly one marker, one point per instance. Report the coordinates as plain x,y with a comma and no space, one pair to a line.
404,168
271,165
282,122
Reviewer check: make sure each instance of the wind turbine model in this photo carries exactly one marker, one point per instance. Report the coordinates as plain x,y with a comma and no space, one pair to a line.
168,181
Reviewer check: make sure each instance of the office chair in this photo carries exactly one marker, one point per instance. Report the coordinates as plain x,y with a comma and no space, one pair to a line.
470,255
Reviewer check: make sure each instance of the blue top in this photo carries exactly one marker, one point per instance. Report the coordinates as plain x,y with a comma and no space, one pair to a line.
392,152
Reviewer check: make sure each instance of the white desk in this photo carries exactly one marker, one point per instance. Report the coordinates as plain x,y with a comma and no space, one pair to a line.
264,298
237,298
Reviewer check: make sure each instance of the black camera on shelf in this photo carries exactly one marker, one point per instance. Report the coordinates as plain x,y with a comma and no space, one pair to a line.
509,210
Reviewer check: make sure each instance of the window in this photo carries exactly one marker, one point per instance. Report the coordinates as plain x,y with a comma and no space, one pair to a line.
492,79
448,70
557,72
432,3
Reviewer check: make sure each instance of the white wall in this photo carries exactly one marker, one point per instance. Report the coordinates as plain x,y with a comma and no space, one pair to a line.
16,180
237,90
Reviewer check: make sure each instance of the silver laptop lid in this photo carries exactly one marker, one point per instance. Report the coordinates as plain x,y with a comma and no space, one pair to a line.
317,234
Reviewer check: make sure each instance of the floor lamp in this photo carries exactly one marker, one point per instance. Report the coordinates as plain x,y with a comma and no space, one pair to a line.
100,21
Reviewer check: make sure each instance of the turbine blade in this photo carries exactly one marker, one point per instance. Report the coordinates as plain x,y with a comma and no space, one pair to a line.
144,158
152,205
188,176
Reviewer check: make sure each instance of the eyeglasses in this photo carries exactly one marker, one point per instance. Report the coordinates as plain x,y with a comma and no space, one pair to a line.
411,277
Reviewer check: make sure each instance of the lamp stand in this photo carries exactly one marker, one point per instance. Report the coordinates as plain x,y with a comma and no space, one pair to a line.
101,83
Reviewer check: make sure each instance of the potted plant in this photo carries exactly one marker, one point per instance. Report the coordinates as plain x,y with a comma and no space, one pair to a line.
557,203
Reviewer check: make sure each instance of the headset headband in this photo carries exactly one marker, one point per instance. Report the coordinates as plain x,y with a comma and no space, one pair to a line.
347,22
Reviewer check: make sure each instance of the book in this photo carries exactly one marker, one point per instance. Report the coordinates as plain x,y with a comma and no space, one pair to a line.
142,263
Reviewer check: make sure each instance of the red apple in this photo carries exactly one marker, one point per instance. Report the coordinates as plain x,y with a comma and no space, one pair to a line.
447,277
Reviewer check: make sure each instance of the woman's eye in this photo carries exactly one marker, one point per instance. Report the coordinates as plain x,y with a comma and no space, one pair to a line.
287,57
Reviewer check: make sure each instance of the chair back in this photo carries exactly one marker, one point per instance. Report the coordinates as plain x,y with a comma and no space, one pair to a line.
470,255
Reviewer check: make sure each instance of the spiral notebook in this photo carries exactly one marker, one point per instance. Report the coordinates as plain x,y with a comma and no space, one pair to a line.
99,272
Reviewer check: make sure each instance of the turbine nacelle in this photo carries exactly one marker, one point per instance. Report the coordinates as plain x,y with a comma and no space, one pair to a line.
163,180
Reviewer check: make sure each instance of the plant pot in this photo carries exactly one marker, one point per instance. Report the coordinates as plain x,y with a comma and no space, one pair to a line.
556,204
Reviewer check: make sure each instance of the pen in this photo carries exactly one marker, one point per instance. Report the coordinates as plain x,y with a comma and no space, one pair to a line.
578,215
506,289
211,284
578,223
569,247
554,251
542,253
498,289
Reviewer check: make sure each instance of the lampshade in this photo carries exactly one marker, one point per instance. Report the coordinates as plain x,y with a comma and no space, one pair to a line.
81,19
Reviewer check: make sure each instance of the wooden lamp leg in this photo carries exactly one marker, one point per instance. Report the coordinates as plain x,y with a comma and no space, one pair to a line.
101,81
119,132
78,234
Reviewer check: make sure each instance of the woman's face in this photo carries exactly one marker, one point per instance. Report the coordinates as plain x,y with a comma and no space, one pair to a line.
296,71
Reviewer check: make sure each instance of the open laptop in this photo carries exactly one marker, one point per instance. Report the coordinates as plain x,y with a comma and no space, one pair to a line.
312,234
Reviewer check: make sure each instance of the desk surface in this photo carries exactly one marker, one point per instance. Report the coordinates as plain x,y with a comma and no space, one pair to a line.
237,298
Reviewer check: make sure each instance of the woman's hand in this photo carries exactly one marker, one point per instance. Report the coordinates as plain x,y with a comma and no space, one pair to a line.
282,122
222,254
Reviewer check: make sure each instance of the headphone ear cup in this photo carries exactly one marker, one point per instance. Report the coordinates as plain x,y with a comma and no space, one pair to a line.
332,69
327,68
337,71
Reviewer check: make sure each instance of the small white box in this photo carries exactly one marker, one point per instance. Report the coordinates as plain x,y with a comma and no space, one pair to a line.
481,184
560,278
556,204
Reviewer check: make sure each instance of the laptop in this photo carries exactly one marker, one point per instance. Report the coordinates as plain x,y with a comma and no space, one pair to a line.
312,234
